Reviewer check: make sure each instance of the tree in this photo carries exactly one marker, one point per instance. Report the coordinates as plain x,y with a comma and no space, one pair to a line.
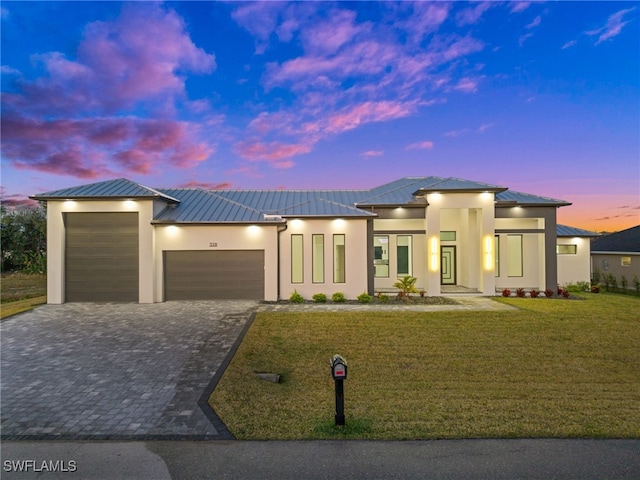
23,236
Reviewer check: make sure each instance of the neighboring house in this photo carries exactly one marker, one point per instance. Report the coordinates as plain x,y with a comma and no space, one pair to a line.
618,254
121,241
574,260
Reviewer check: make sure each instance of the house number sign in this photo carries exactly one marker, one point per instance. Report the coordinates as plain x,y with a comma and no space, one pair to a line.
213,244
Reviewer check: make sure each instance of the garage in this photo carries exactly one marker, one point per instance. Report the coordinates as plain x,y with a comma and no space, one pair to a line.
101,257
214,274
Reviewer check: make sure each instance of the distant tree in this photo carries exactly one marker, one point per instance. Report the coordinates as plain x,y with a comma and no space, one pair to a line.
23,239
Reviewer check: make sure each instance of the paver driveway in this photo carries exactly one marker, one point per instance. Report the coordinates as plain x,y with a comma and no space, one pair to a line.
94,371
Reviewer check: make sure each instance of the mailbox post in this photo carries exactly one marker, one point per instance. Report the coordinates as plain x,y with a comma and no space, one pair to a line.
339,373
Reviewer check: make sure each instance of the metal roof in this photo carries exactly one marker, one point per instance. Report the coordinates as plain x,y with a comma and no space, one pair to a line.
320,207
118,188
526,199
202,206
566,231
452,184
623,241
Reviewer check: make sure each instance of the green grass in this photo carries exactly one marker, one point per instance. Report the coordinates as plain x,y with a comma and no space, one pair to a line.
21,292
553,368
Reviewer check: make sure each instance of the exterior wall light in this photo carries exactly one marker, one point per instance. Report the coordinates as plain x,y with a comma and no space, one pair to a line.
434,254
488,253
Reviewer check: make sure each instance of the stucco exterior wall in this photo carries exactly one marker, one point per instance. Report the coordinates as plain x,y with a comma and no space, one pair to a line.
356,266
574,268
611,263
56,242
218,237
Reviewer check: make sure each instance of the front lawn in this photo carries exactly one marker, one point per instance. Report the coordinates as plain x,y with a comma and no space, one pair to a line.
553,368
21,292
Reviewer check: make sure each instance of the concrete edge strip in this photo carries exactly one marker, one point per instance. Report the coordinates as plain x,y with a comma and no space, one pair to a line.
203,402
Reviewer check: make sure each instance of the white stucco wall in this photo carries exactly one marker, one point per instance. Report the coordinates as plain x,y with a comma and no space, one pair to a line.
532,263
356,244
56,242
218,237
575,268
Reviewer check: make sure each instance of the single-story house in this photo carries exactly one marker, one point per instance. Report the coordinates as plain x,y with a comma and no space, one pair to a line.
118,240
618,254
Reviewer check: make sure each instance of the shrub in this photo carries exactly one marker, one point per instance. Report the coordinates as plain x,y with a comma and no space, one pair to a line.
548,293
422,293
566,293
606,279
597,276
364,298
520,292
613,281
406,285
383,298
595,288
578,287
624,283
338,297
506,292
636,283
319,298
534,293
296,297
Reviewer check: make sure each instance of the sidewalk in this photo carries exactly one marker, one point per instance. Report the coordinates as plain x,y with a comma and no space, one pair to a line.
450,459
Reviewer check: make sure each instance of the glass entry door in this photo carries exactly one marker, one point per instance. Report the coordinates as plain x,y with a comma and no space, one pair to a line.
448,265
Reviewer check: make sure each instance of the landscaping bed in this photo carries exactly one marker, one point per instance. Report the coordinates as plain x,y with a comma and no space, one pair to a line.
21,292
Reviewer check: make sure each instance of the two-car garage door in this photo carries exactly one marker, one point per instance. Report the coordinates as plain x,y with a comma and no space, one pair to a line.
214,274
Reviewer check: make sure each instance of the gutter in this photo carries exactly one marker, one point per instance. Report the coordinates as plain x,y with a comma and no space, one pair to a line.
280,230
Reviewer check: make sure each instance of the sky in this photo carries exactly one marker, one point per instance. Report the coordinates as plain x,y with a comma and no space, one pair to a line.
539,97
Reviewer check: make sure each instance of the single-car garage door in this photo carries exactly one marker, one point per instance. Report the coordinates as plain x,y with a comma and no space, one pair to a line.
101,257
214,274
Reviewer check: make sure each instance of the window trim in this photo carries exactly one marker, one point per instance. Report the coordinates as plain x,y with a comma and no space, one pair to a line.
565,245
387,259
409,255
623,263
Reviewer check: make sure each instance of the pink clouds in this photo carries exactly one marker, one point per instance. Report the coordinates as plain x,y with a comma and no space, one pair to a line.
65,122
613,27
372,153
274,153
206,185
367,112
426,145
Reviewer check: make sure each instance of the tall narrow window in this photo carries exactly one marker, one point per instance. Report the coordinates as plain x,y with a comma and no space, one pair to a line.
514,252
381,255
297,259
404,255
497,254
318,258
339,259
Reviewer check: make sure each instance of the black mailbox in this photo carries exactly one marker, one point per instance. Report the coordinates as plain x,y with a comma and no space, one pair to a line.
338,368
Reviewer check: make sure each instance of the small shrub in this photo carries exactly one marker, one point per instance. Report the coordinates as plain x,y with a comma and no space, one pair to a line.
406,285
422,293
636,284
566,293
548,293
319,298
624,283
534,293
520,292
296,297
606,280
338,297
506,292
595,288
364,298
597,276
614,282
383,298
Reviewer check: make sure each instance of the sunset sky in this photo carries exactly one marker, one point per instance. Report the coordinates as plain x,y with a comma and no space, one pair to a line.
540,97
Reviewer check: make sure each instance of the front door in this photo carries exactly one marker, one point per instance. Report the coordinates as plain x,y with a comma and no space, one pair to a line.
448,265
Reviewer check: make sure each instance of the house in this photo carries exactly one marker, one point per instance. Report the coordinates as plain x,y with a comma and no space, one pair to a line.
618,254
574,255
121,241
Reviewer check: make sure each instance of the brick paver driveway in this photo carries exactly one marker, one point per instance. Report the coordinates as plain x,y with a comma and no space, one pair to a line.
96,371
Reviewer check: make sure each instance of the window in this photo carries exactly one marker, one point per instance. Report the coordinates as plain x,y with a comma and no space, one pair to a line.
625,261
448,236
381,255
297,259
318,258
497,254
514,255
404,254
566,249
338,259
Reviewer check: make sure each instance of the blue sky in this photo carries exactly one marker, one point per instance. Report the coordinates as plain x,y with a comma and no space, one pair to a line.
541,97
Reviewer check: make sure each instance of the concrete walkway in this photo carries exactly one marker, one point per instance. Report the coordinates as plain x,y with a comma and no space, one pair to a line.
354,460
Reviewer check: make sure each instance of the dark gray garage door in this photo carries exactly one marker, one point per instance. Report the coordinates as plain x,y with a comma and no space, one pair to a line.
101,257
214,274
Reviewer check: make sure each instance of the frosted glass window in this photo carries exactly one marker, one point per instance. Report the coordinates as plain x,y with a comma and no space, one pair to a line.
514,253
339,260
297,259
318,258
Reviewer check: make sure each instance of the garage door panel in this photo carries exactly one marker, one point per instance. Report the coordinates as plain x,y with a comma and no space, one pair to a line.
211,275
101,257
